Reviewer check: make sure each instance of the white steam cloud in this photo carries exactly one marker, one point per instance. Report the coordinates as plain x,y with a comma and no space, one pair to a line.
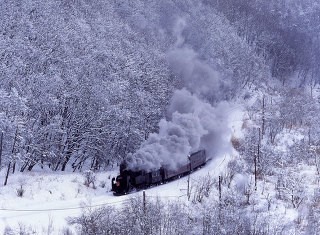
192,123
197,77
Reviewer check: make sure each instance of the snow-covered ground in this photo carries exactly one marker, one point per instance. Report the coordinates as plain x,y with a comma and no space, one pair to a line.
49,198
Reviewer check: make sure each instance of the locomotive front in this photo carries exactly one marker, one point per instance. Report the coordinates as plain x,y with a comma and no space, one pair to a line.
120,184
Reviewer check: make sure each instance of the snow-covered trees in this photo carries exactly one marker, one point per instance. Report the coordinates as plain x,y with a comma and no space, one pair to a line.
92,89
137,217
84,83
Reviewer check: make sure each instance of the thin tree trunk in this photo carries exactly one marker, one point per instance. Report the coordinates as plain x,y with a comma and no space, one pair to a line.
7,174
14,167
1,141
12,151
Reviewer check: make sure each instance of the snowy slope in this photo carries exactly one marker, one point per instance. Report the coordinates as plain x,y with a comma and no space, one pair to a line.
49,198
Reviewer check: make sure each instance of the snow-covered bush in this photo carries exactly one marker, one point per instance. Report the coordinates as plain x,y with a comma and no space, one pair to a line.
96,221
202,188
291,187
313,226
102,184
21,230
20,191
90,178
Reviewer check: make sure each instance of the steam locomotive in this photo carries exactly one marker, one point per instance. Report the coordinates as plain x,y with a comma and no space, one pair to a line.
130,179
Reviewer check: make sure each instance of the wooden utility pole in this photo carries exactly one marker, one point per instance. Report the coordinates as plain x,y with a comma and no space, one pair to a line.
144,201
263,115
255,172
1,141
219,187
256,160
188,189
259,143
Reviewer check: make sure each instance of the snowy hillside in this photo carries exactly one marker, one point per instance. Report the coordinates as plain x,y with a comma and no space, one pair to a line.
85,85
51,200
48,199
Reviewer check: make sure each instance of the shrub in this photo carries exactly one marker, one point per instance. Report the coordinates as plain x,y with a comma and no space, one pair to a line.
20,191
102,184
90,178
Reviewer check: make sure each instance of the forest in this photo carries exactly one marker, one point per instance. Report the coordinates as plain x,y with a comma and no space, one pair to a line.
83,84
74,94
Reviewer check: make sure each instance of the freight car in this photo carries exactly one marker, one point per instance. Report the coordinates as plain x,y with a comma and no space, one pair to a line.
128,179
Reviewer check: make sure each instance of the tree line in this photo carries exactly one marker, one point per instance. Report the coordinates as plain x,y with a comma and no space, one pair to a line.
83,83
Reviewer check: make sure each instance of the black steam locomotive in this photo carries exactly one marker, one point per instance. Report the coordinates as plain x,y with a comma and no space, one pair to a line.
129,179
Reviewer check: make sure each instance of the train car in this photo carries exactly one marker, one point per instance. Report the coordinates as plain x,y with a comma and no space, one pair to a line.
197,159
129,179
174,173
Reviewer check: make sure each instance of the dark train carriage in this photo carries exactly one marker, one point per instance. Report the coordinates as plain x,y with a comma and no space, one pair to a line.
129,179
197,159
172,173
143,178
139,178
157,176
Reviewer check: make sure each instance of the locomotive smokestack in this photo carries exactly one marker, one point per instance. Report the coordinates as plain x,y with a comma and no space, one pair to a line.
123,166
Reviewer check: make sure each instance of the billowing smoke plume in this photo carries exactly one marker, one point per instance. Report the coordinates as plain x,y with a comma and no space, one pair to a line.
192,123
